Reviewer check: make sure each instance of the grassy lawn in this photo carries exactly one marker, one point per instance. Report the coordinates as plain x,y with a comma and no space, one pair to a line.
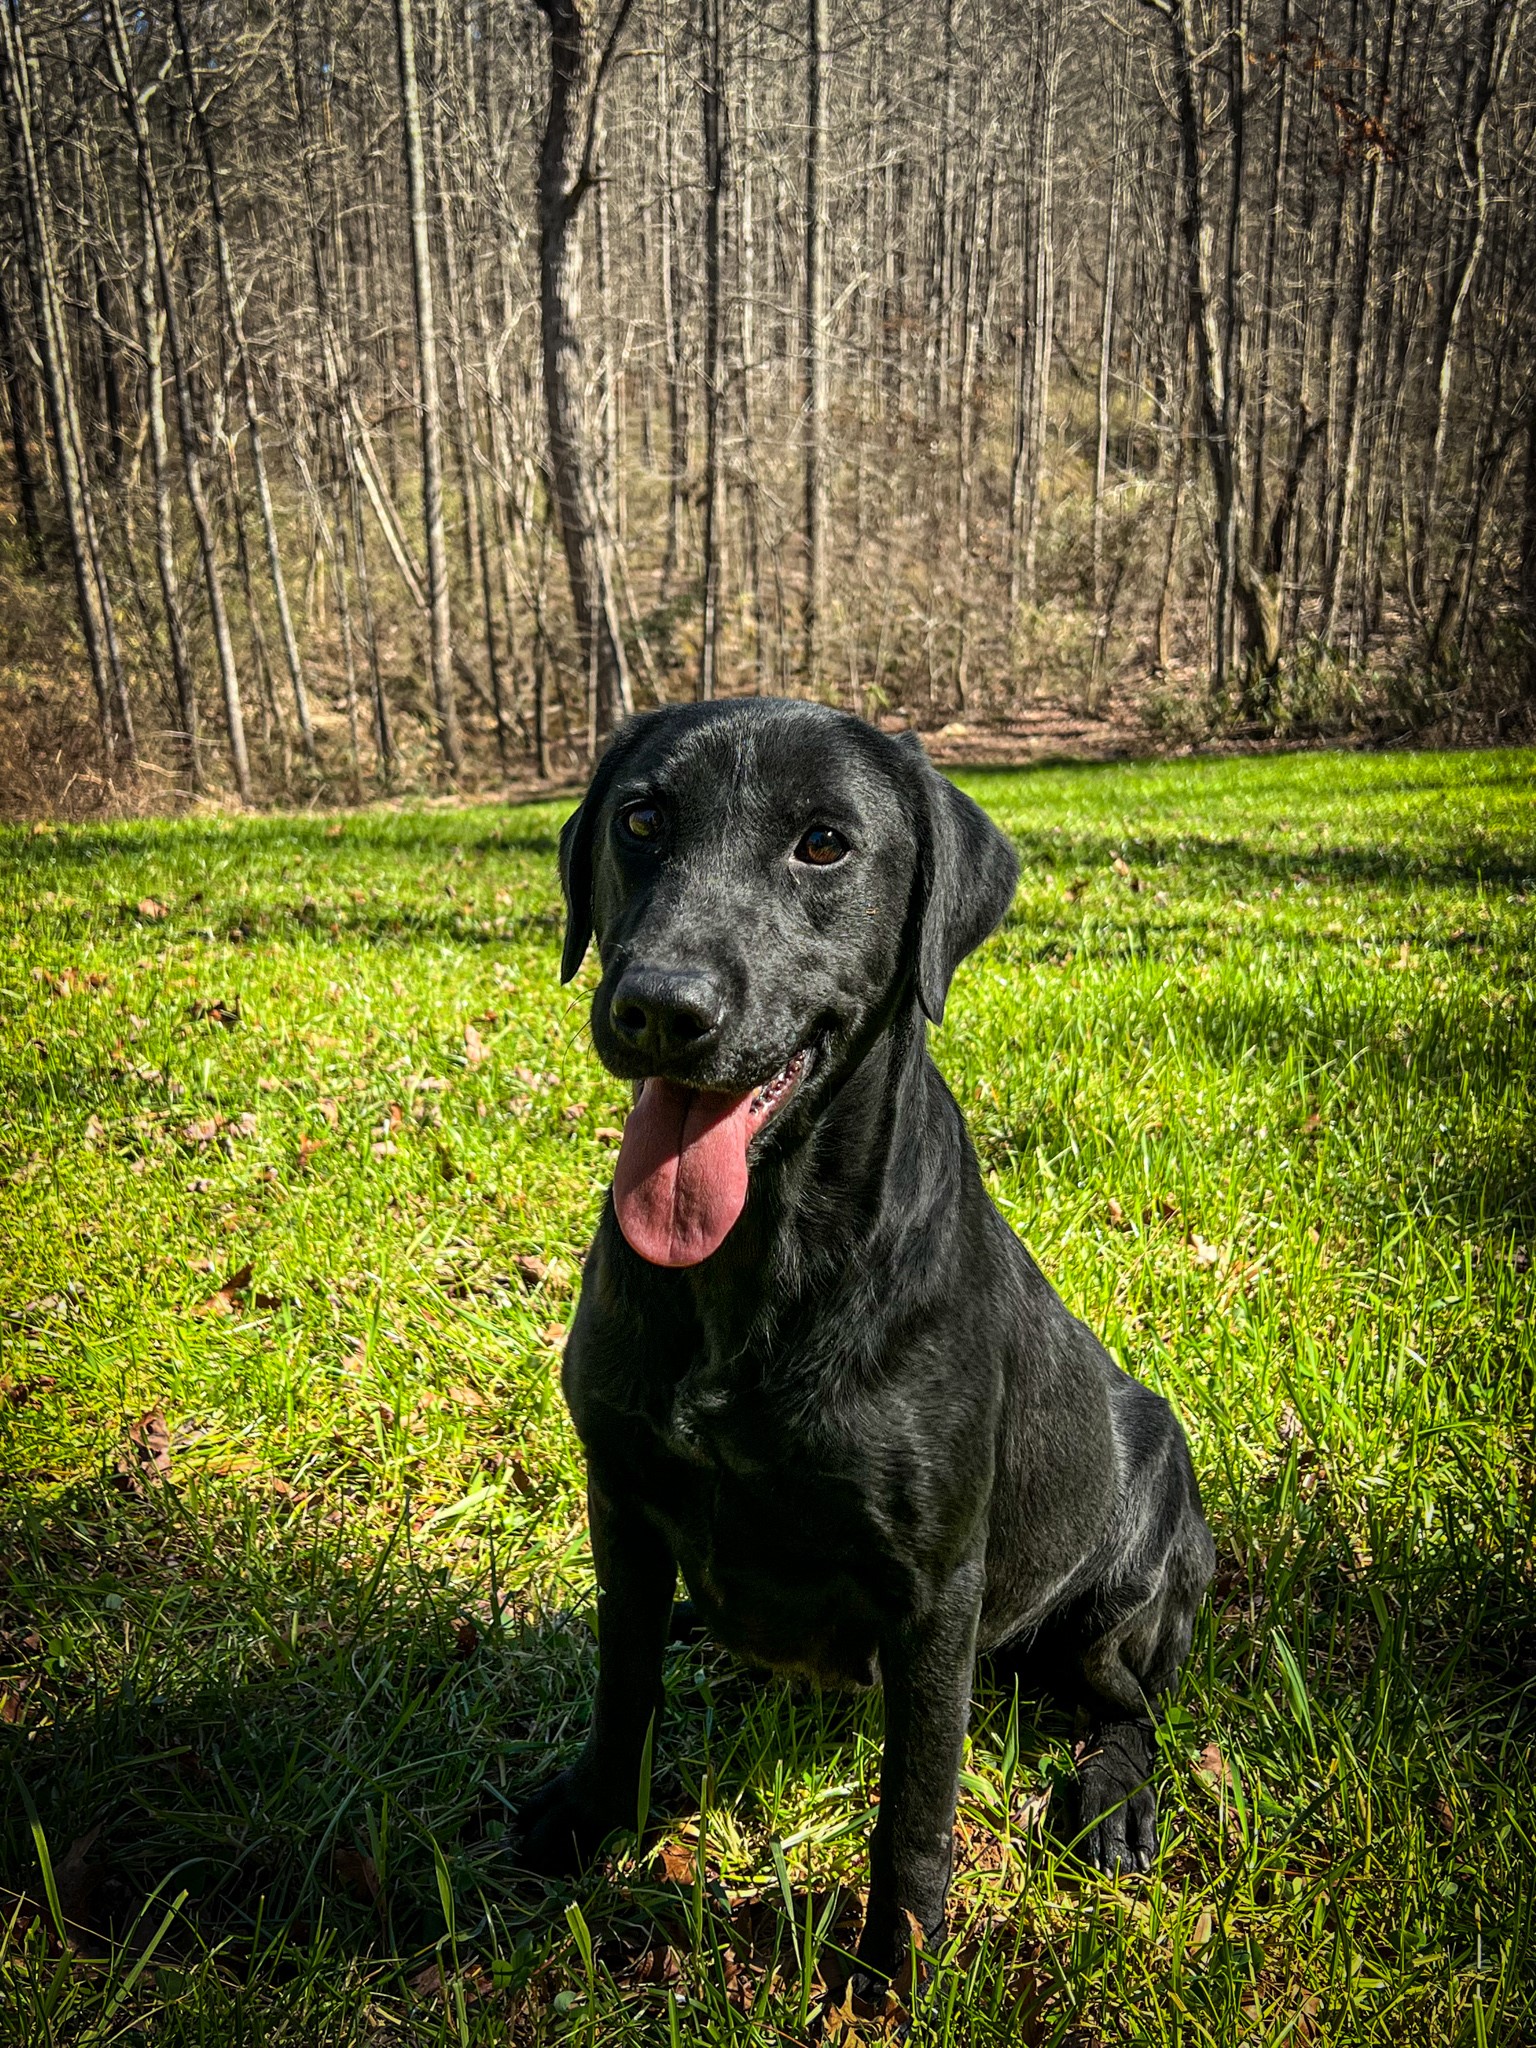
301,1146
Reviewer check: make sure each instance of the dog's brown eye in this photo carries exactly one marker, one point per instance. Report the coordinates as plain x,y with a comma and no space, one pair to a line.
821,847
641,821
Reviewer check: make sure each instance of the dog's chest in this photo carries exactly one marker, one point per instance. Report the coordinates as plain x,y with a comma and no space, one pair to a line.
714,1421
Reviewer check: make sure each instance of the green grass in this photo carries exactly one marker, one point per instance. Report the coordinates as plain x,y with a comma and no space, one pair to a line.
1265,1108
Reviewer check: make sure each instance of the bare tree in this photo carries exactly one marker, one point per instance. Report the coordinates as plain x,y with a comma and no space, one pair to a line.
440,628
578,72
815,343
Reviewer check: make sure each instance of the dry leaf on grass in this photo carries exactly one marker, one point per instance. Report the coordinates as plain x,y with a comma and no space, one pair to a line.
1116,1216
356,1873
675,1863
432,1982
13,1705
226,1299
1202,1253
19,1392
475,1050
147,1459
1213,1766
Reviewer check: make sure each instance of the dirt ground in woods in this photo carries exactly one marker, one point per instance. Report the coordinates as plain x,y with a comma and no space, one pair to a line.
50,769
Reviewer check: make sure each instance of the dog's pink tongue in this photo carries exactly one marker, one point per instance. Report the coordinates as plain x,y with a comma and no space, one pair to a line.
681,1178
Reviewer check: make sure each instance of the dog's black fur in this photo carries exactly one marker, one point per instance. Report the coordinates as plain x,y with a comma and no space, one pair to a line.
865,1428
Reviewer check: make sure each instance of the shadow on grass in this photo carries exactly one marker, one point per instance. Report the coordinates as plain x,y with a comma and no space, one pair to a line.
310,1737
1249,869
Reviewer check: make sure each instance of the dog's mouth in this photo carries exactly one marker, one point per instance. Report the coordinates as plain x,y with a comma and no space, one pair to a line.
680,1182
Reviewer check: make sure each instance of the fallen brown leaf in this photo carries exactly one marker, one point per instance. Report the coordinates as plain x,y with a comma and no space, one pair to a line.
466,1638
1202,1253
1116,1215
148,907
13,1706
226,1299
20,1392
675,1863
147,1459
474,1980
1213,1766
474,1047
78,1875
356,1873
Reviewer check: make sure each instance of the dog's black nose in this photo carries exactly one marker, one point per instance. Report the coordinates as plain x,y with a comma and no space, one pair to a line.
666,1012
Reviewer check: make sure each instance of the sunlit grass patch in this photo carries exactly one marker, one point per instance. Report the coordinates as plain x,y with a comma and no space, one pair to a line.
302,1146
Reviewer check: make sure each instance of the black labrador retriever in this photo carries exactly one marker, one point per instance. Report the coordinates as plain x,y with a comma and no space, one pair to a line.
811,1365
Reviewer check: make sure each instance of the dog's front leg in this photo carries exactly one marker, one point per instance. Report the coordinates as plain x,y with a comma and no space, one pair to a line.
567,1820
927,1664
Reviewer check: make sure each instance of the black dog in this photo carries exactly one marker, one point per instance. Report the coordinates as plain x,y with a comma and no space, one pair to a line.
811,1364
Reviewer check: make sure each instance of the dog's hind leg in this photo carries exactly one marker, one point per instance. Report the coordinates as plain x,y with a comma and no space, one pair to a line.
1126,1669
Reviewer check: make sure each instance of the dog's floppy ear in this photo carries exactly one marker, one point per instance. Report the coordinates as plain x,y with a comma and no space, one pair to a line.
967,873
576,837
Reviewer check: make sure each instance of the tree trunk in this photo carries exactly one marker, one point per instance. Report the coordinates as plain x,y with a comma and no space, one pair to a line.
814,603
191,459
567,160
439,625
714,185
17,424
1210,354
29,164
1037,314
165,530
1101,606
236,331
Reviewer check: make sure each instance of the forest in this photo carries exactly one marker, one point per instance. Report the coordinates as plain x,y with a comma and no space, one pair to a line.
399,392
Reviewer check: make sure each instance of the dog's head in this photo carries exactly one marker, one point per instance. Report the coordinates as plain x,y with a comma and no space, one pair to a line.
767,881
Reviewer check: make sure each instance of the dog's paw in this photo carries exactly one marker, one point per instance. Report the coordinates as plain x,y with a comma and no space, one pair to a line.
557,1829
1116,1811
